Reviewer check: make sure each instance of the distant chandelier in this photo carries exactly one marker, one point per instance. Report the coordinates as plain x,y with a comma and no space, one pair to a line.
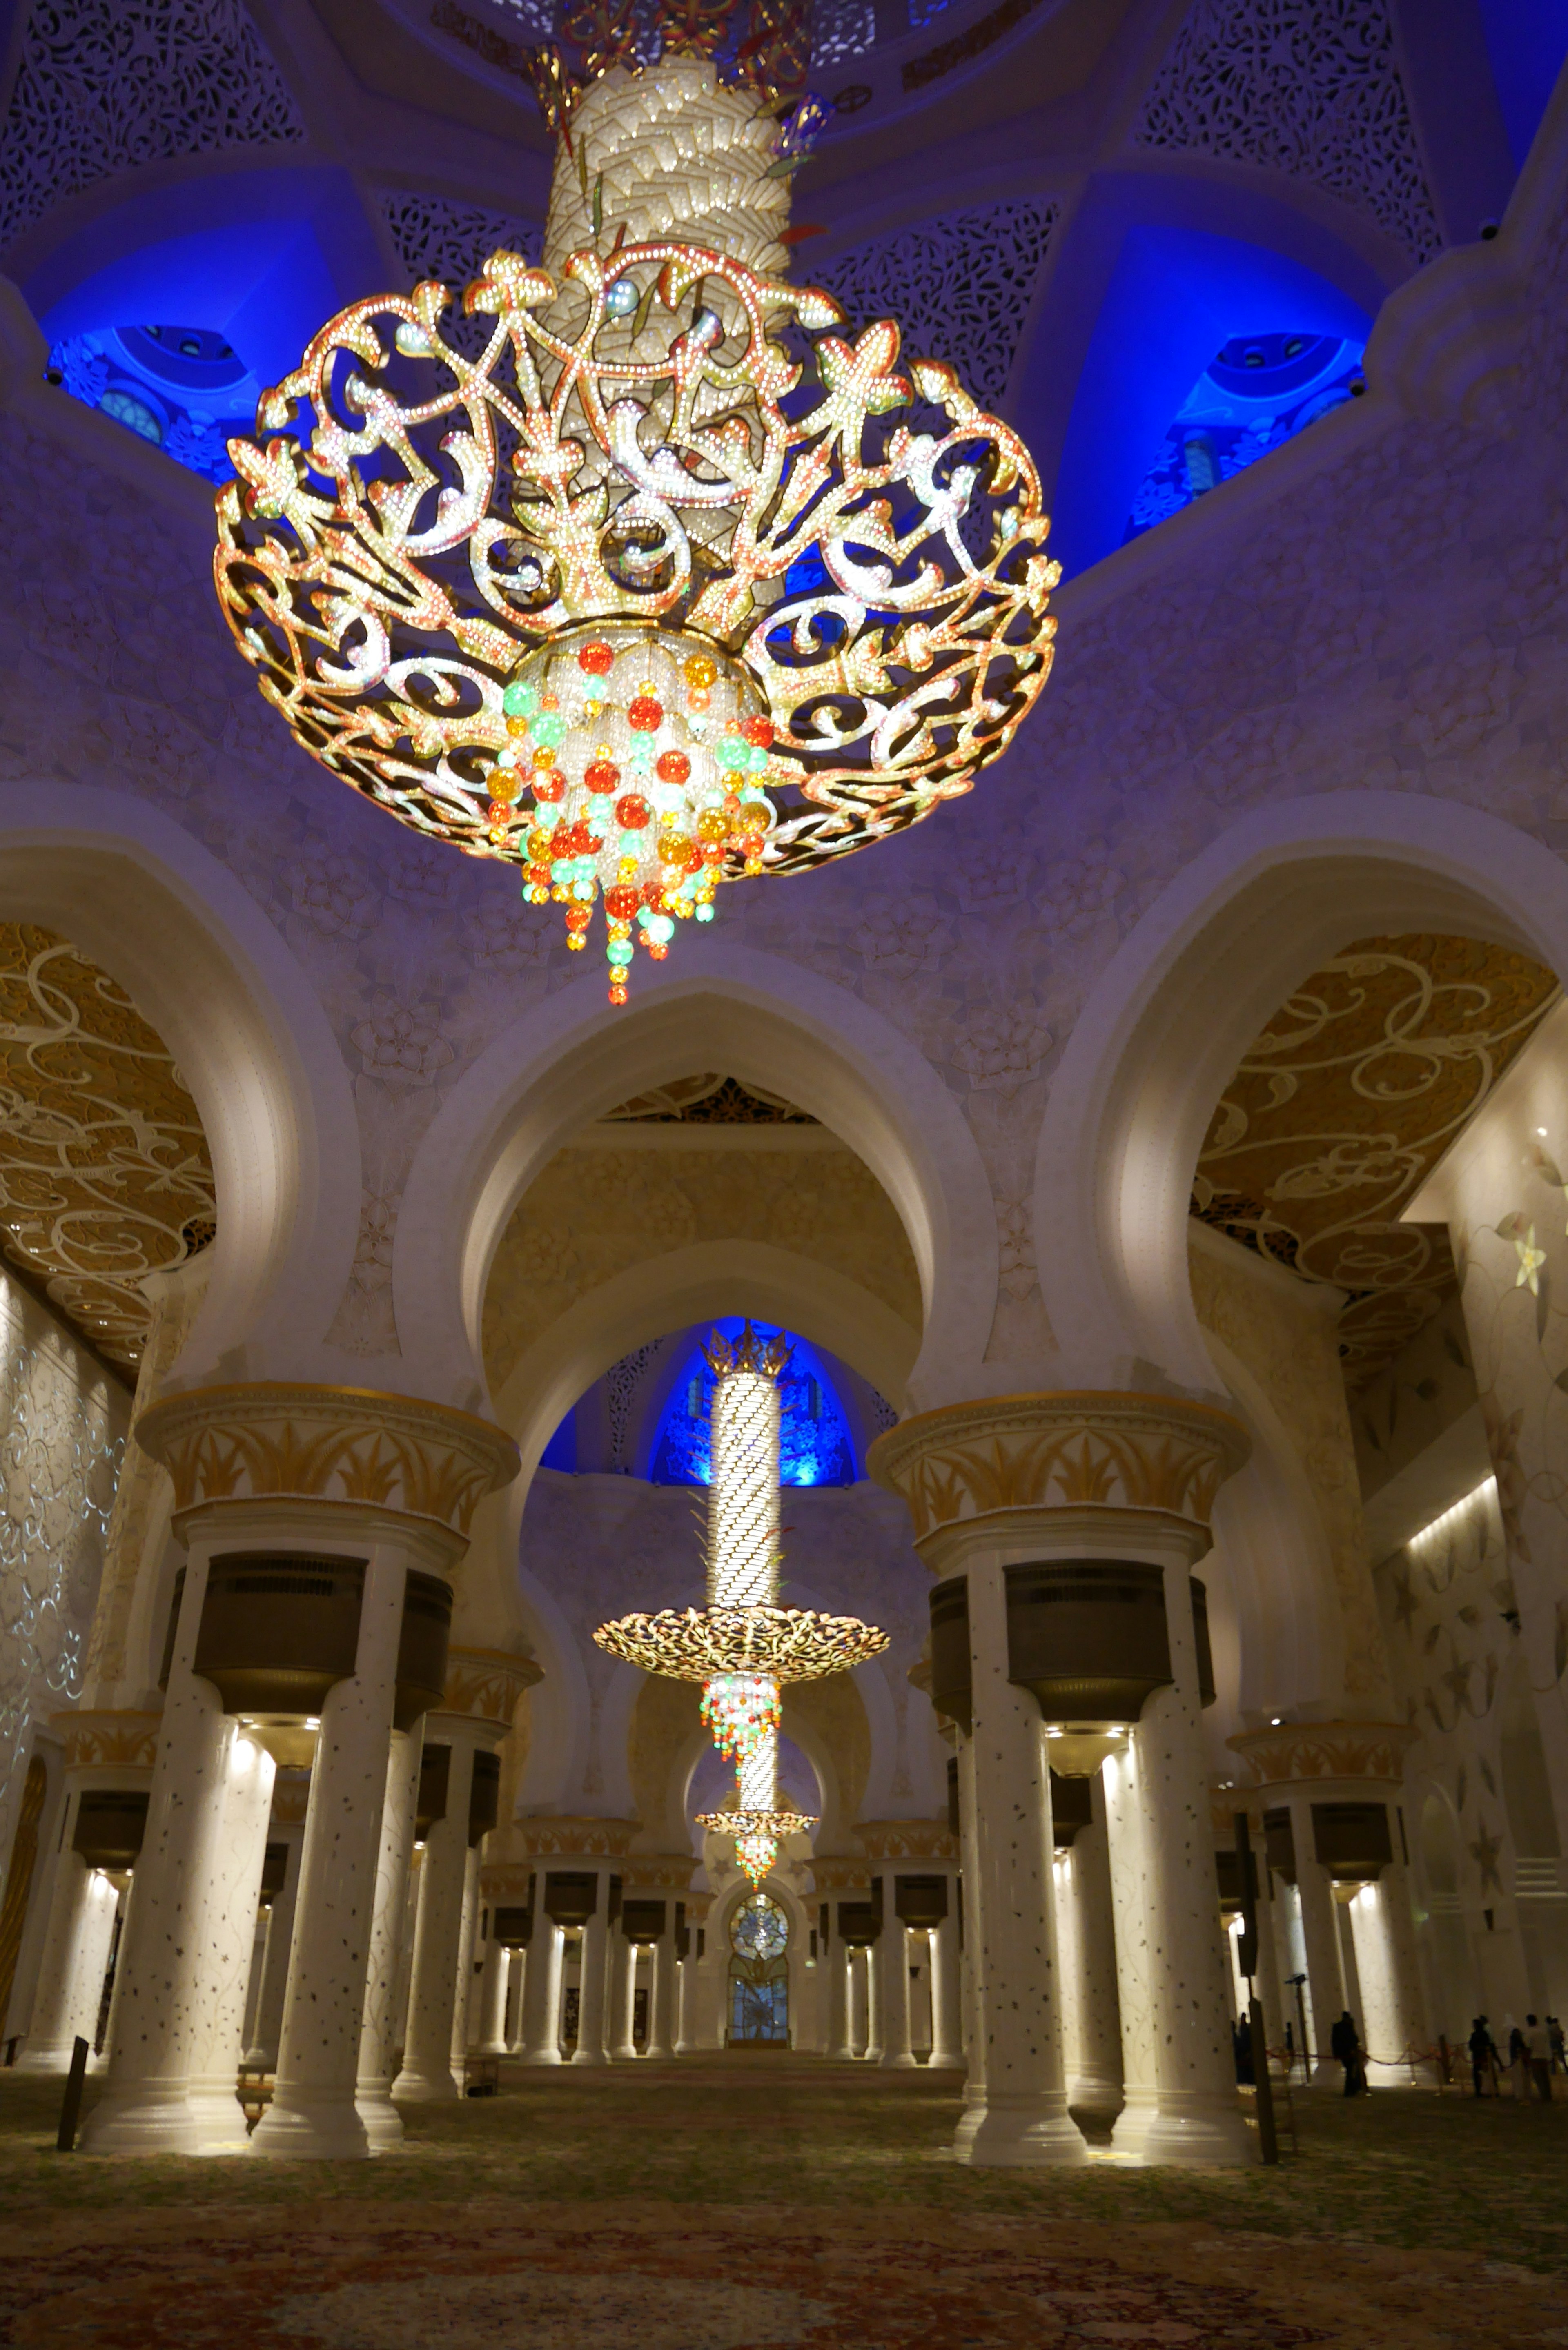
629,569
743,1645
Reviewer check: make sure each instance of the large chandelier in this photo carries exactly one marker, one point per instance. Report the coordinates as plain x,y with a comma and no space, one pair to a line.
743,1645
639,569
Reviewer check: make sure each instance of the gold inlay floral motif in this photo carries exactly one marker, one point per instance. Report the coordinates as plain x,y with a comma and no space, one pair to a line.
1342,1107
105,1175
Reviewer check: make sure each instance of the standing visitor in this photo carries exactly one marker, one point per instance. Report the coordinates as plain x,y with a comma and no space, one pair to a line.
1538,2051
1345,2041
1483,2052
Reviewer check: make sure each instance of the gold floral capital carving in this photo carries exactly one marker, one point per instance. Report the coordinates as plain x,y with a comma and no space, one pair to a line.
122,1741
276,1440
563,1837
907,1839
658,1872
1078,1450
486,1683
1323,1750
509,1882
834,1872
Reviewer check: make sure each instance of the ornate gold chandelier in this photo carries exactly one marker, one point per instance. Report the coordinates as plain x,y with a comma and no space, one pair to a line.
637,570
743,1645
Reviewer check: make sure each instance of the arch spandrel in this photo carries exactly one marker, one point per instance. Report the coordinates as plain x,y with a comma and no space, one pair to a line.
1172,1013
774,1025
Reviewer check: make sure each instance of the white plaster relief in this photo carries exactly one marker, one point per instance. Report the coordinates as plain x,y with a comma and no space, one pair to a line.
437,238
106,85
958,285
1308,87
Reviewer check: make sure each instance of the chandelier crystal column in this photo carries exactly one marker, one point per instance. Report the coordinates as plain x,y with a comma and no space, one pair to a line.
640,569
743,1645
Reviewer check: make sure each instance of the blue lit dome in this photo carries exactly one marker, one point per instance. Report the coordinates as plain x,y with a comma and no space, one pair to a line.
814,1443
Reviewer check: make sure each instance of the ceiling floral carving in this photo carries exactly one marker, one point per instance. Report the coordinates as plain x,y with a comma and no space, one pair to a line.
1358,1084
105,1175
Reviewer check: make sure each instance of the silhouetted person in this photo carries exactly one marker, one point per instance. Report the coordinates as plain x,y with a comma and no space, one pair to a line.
1241,2040
1484,2054
1538,2051
1345,2041
1559,2050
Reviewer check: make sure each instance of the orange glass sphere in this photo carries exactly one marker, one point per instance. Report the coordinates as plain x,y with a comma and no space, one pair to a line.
645,715
672,767
596,658
759,732
601,775
632,810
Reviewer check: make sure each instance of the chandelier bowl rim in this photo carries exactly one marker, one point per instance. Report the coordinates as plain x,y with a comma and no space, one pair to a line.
786,1644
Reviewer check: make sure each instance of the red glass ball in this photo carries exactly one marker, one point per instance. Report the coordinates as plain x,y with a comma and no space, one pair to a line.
579,917
620,903
632,810
602,775
645,716
759,732
672,767
550,786
596,658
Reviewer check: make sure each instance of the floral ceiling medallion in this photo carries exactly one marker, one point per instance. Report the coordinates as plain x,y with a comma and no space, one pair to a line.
639,568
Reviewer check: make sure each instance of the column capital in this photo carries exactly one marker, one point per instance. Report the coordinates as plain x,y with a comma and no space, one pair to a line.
563,1837
658,1872
1095,1459
485,1683
1322,1754
353,1449
109,1740
924,1840
837,1874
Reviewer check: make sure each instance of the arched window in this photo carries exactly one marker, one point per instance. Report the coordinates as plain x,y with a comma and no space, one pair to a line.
814,1446
759,1974
1257,391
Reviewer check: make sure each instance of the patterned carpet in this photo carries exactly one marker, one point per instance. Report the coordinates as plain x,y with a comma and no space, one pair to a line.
357,2277
731,2205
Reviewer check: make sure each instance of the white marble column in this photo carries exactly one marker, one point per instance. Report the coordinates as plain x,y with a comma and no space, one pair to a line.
465,1977
314,2109
1320,1933
101,2059
144,2107
258,1976
1126,1836
493,1999
893,1982
542,1990
267,2027
859,2003
378,2046
1198,2118
661,2003
685,2004
873,2050
1025,2121
836,1959
74,1955
512,2027
590,2048
1096,2085
218,2045
947,1990
427,2074
623,1995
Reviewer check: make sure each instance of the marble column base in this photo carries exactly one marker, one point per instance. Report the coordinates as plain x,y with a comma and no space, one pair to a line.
904,2062
145,2117
589,2056
383,2123
543,2056
437,2088
1096,2094
49,2056
1196,2133
1139,2109
320,2125
219,2118
1020,2134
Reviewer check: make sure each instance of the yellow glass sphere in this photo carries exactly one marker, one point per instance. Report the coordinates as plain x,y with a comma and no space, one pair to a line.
700,671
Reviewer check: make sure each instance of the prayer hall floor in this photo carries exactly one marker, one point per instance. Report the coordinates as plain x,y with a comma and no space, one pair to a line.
744,2202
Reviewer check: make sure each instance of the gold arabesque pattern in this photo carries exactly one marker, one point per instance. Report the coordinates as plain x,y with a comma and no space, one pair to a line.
1359,1083
105,1175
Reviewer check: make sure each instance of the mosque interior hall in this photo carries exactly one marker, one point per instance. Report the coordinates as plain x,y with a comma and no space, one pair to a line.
834,1616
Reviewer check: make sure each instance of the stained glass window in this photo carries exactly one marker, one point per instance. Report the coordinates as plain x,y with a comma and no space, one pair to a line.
759,1929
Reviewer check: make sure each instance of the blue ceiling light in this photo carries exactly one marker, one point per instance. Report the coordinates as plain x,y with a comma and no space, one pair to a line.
184,389
1258,391
815,1444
